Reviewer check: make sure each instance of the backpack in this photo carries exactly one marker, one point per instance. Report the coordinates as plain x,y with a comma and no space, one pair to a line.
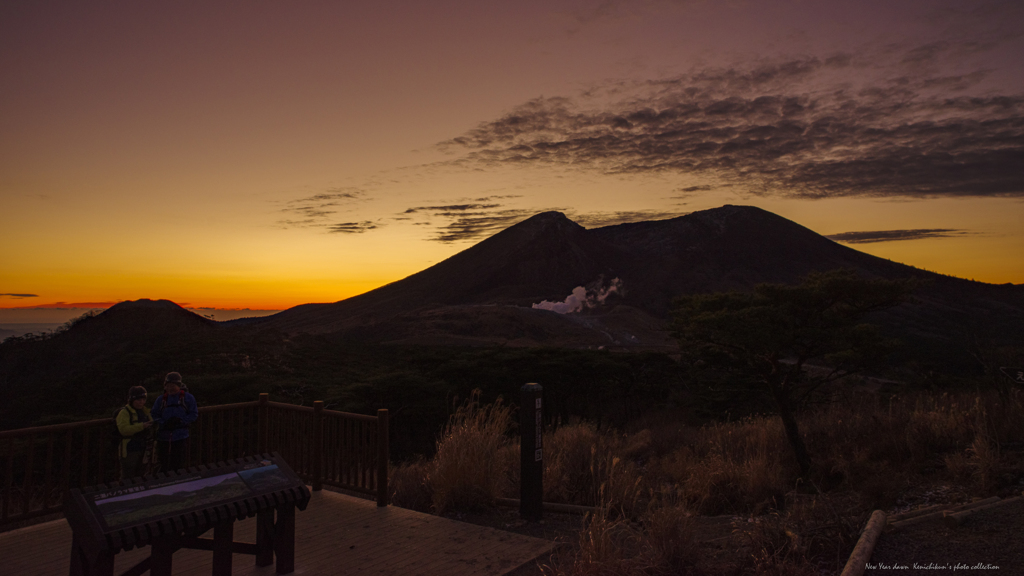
114,432
181,397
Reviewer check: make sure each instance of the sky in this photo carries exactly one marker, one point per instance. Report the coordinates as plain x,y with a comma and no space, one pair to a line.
229,155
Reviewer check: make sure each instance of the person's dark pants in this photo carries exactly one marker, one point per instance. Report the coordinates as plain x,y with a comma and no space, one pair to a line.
171,454
131,465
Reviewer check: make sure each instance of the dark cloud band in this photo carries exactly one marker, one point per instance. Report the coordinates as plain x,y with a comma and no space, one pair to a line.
317,210
894,235
319,206
19,295
599,219
351,227
451,208
475,226
793,128
466,219
466,222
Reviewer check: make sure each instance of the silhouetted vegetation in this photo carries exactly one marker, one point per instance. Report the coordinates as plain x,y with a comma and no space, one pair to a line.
763,341
417,384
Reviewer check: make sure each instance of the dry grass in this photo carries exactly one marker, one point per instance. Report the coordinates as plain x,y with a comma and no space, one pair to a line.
590,468
664,543
409,486
653,485
471,467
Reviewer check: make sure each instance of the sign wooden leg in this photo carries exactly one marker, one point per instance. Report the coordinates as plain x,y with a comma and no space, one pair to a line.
160,556
284,539
223,536
78,566
265,537
104,565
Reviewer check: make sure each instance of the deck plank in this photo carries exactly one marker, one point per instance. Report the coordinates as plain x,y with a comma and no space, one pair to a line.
336,534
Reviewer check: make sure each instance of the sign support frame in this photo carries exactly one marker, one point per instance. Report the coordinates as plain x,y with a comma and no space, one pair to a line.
531,452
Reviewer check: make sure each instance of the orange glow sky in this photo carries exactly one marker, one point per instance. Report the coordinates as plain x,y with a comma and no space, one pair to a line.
267,155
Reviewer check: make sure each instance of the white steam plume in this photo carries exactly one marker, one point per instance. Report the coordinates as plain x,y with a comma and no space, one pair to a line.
581,298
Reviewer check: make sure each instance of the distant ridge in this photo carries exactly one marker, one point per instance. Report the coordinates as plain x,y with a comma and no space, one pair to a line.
143,318
127,327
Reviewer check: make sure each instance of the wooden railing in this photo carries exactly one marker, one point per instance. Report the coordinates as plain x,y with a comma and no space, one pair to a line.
348,451
340,449
223,432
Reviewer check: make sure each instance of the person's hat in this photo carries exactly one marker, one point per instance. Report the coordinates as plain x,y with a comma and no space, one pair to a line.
136,393
173,377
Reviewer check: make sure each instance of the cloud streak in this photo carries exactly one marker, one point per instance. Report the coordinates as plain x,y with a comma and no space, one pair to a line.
351,227
19,296
451,209
318,210
460,221
467,219
599,219
478,225
67,305
895,235
795,128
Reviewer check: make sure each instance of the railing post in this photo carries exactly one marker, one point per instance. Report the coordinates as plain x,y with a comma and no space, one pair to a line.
383,457
66,470
48,480
9,480
317,451
264,422
27,485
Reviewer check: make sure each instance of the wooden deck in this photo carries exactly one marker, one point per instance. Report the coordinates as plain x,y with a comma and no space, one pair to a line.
336,534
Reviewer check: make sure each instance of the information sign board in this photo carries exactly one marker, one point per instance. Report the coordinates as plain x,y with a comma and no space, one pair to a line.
1015,374
107,519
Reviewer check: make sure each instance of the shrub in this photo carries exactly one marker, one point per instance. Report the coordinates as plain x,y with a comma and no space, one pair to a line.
662,543
591,468
409,487
569,453
474,455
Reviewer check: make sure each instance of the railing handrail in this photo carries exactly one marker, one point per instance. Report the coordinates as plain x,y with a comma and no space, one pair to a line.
331,413
292,407
222,407
50,428
349,415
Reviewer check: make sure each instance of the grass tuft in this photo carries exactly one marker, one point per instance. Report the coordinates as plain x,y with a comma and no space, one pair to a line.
474,457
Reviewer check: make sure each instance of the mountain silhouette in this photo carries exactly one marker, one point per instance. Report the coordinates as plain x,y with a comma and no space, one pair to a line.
546,256
143,319
485,294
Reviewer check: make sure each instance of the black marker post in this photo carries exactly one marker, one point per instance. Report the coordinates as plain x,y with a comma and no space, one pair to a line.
531,470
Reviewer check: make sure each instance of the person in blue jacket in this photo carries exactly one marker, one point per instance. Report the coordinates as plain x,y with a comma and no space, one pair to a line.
173,411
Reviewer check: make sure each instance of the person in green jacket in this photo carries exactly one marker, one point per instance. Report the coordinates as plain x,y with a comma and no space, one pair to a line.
134,422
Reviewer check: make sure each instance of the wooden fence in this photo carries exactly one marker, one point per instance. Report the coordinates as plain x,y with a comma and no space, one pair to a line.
340,449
